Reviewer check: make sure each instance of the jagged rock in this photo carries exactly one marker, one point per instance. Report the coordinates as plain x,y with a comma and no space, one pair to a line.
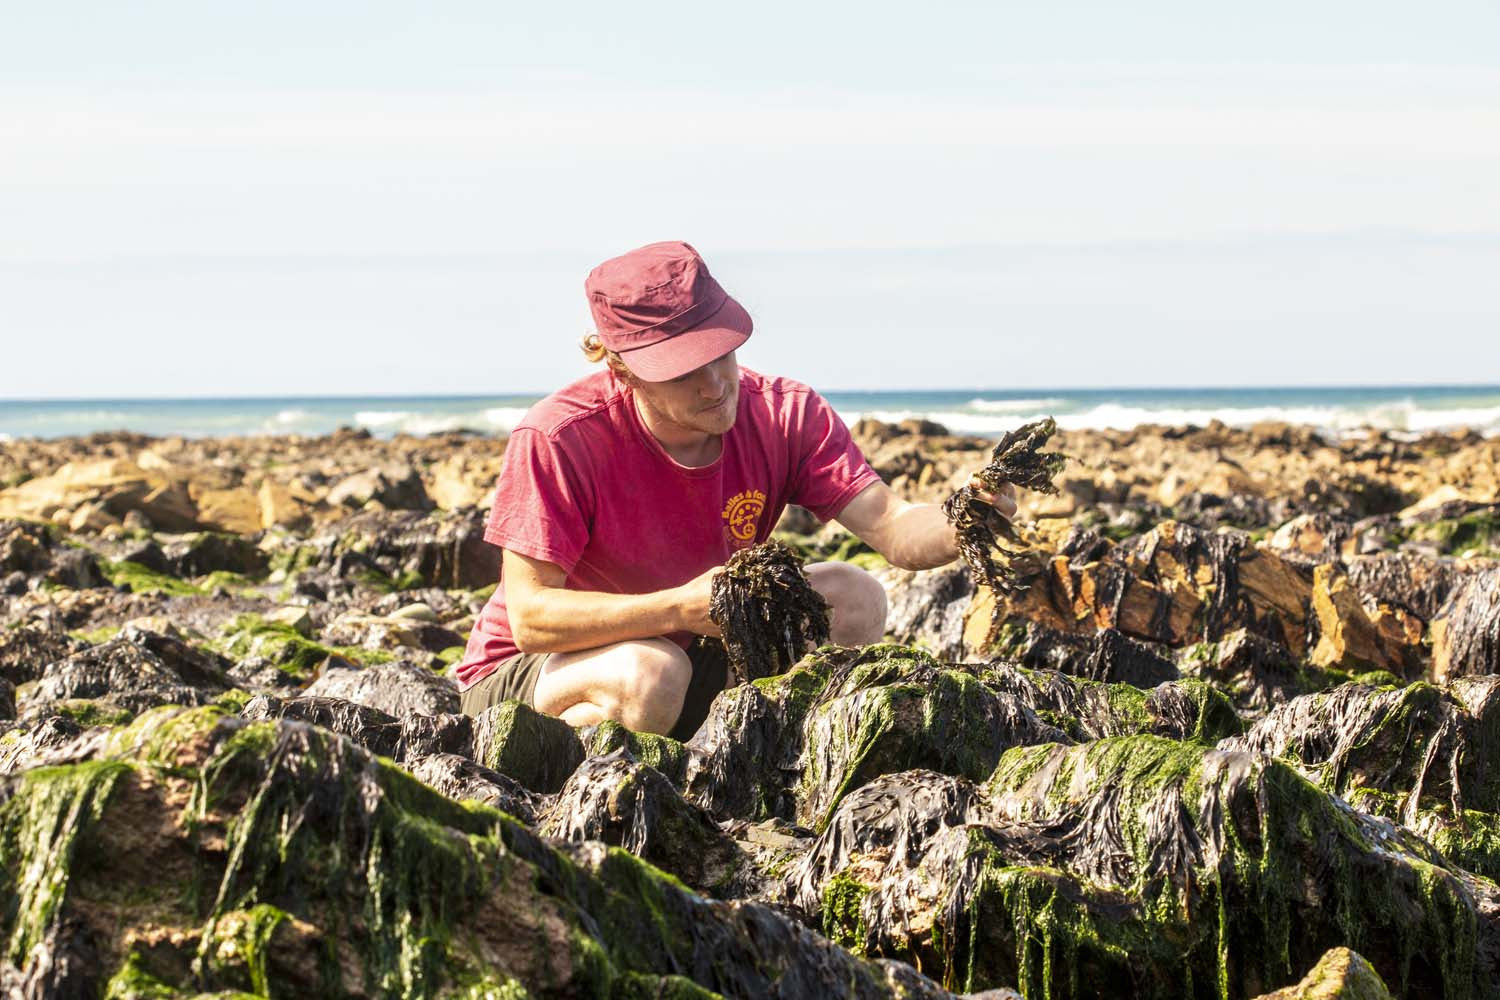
394,487
458,777
1311,539
1256,672
368,727
1416,743
30,548
396,688
1466,632
1175,868
1174,585
664,754
1417,584
7,700
927,608
23,747
1107,655
1357,633
1090,710
210,552
1340,974
25,652
136,670
309,866
624,803
536,750
433,550
869,723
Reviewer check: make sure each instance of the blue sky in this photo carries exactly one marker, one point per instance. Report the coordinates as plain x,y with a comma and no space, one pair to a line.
280,199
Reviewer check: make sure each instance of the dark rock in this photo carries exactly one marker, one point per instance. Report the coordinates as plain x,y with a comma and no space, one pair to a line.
1416,583
210,552
25,652
444,733
445,549
664,754
136,670
1256,672
25,747
396,688
370,728
7,700
1090,710
927,608
1411,742
458,777
1108,655
621,802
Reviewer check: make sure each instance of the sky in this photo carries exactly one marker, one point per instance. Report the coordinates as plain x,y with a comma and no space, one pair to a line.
281,199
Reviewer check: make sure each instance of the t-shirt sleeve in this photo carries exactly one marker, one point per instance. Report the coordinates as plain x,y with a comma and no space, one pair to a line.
541,505
831,470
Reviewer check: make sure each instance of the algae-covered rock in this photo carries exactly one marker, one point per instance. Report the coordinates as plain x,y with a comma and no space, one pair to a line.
397,688
518,741
1107,655
1176,868
213,853
1341,974
662,753
136,670
1412,742
619,801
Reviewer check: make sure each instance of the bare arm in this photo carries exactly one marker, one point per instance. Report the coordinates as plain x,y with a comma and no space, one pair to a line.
547,618
909,535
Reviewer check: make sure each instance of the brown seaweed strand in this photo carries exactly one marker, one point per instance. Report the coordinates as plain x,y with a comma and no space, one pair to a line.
997,556
768,612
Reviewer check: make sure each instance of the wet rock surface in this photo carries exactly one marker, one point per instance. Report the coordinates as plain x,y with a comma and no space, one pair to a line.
1234,733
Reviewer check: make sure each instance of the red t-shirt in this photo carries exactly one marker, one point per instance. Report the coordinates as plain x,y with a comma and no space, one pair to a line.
586,486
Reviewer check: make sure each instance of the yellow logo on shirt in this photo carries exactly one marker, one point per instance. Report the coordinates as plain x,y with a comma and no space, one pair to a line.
741,514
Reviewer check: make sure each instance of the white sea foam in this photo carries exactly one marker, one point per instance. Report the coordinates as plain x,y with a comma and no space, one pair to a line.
1396,416
1015,405
504,418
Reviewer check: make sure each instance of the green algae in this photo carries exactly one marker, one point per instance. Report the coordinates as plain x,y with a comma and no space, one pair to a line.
41,825
451,655
284,647
235,944
93,636
233,583
91,712
662,753
141,580
132,982
841,918
537,750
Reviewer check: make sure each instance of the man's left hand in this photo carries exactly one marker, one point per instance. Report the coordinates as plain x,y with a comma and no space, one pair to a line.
1004,500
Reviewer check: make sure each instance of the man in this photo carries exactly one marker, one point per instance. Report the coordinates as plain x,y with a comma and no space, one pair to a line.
624,493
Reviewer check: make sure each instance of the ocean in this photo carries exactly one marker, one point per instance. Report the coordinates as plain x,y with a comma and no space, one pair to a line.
990,412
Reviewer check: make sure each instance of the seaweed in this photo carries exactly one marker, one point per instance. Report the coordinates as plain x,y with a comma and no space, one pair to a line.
981,529
769,614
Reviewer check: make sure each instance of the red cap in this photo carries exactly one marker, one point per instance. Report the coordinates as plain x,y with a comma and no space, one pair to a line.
662,312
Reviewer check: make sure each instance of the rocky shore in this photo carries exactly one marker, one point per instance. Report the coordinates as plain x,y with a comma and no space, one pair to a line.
1238,737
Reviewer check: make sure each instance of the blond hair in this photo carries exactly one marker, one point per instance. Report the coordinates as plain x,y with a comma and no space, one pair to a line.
594,349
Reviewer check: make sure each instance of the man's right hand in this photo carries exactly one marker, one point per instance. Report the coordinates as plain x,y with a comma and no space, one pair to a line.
694,600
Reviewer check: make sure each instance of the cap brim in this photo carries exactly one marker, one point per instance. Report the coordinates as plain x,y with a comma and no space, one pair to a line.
724,331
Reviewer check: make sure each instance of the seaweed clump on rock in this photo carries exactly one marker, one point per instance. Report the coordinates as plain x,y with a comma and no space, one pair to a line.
769,614
982,531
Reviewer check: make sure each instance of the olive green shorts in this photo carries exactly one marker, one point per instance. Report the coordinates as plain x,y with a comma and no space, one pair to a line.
514,679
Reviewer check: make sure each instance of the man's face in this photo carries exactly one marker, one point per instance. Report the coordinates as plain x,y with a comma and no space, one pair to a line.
705,399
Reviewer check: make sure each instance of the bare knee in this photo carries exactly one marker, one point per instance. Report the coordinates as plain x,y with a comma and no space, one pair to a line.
640,684
856,601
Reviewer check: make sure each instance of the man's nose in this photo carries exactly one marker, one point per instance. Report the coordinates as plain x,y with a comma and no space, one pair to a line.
711,383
